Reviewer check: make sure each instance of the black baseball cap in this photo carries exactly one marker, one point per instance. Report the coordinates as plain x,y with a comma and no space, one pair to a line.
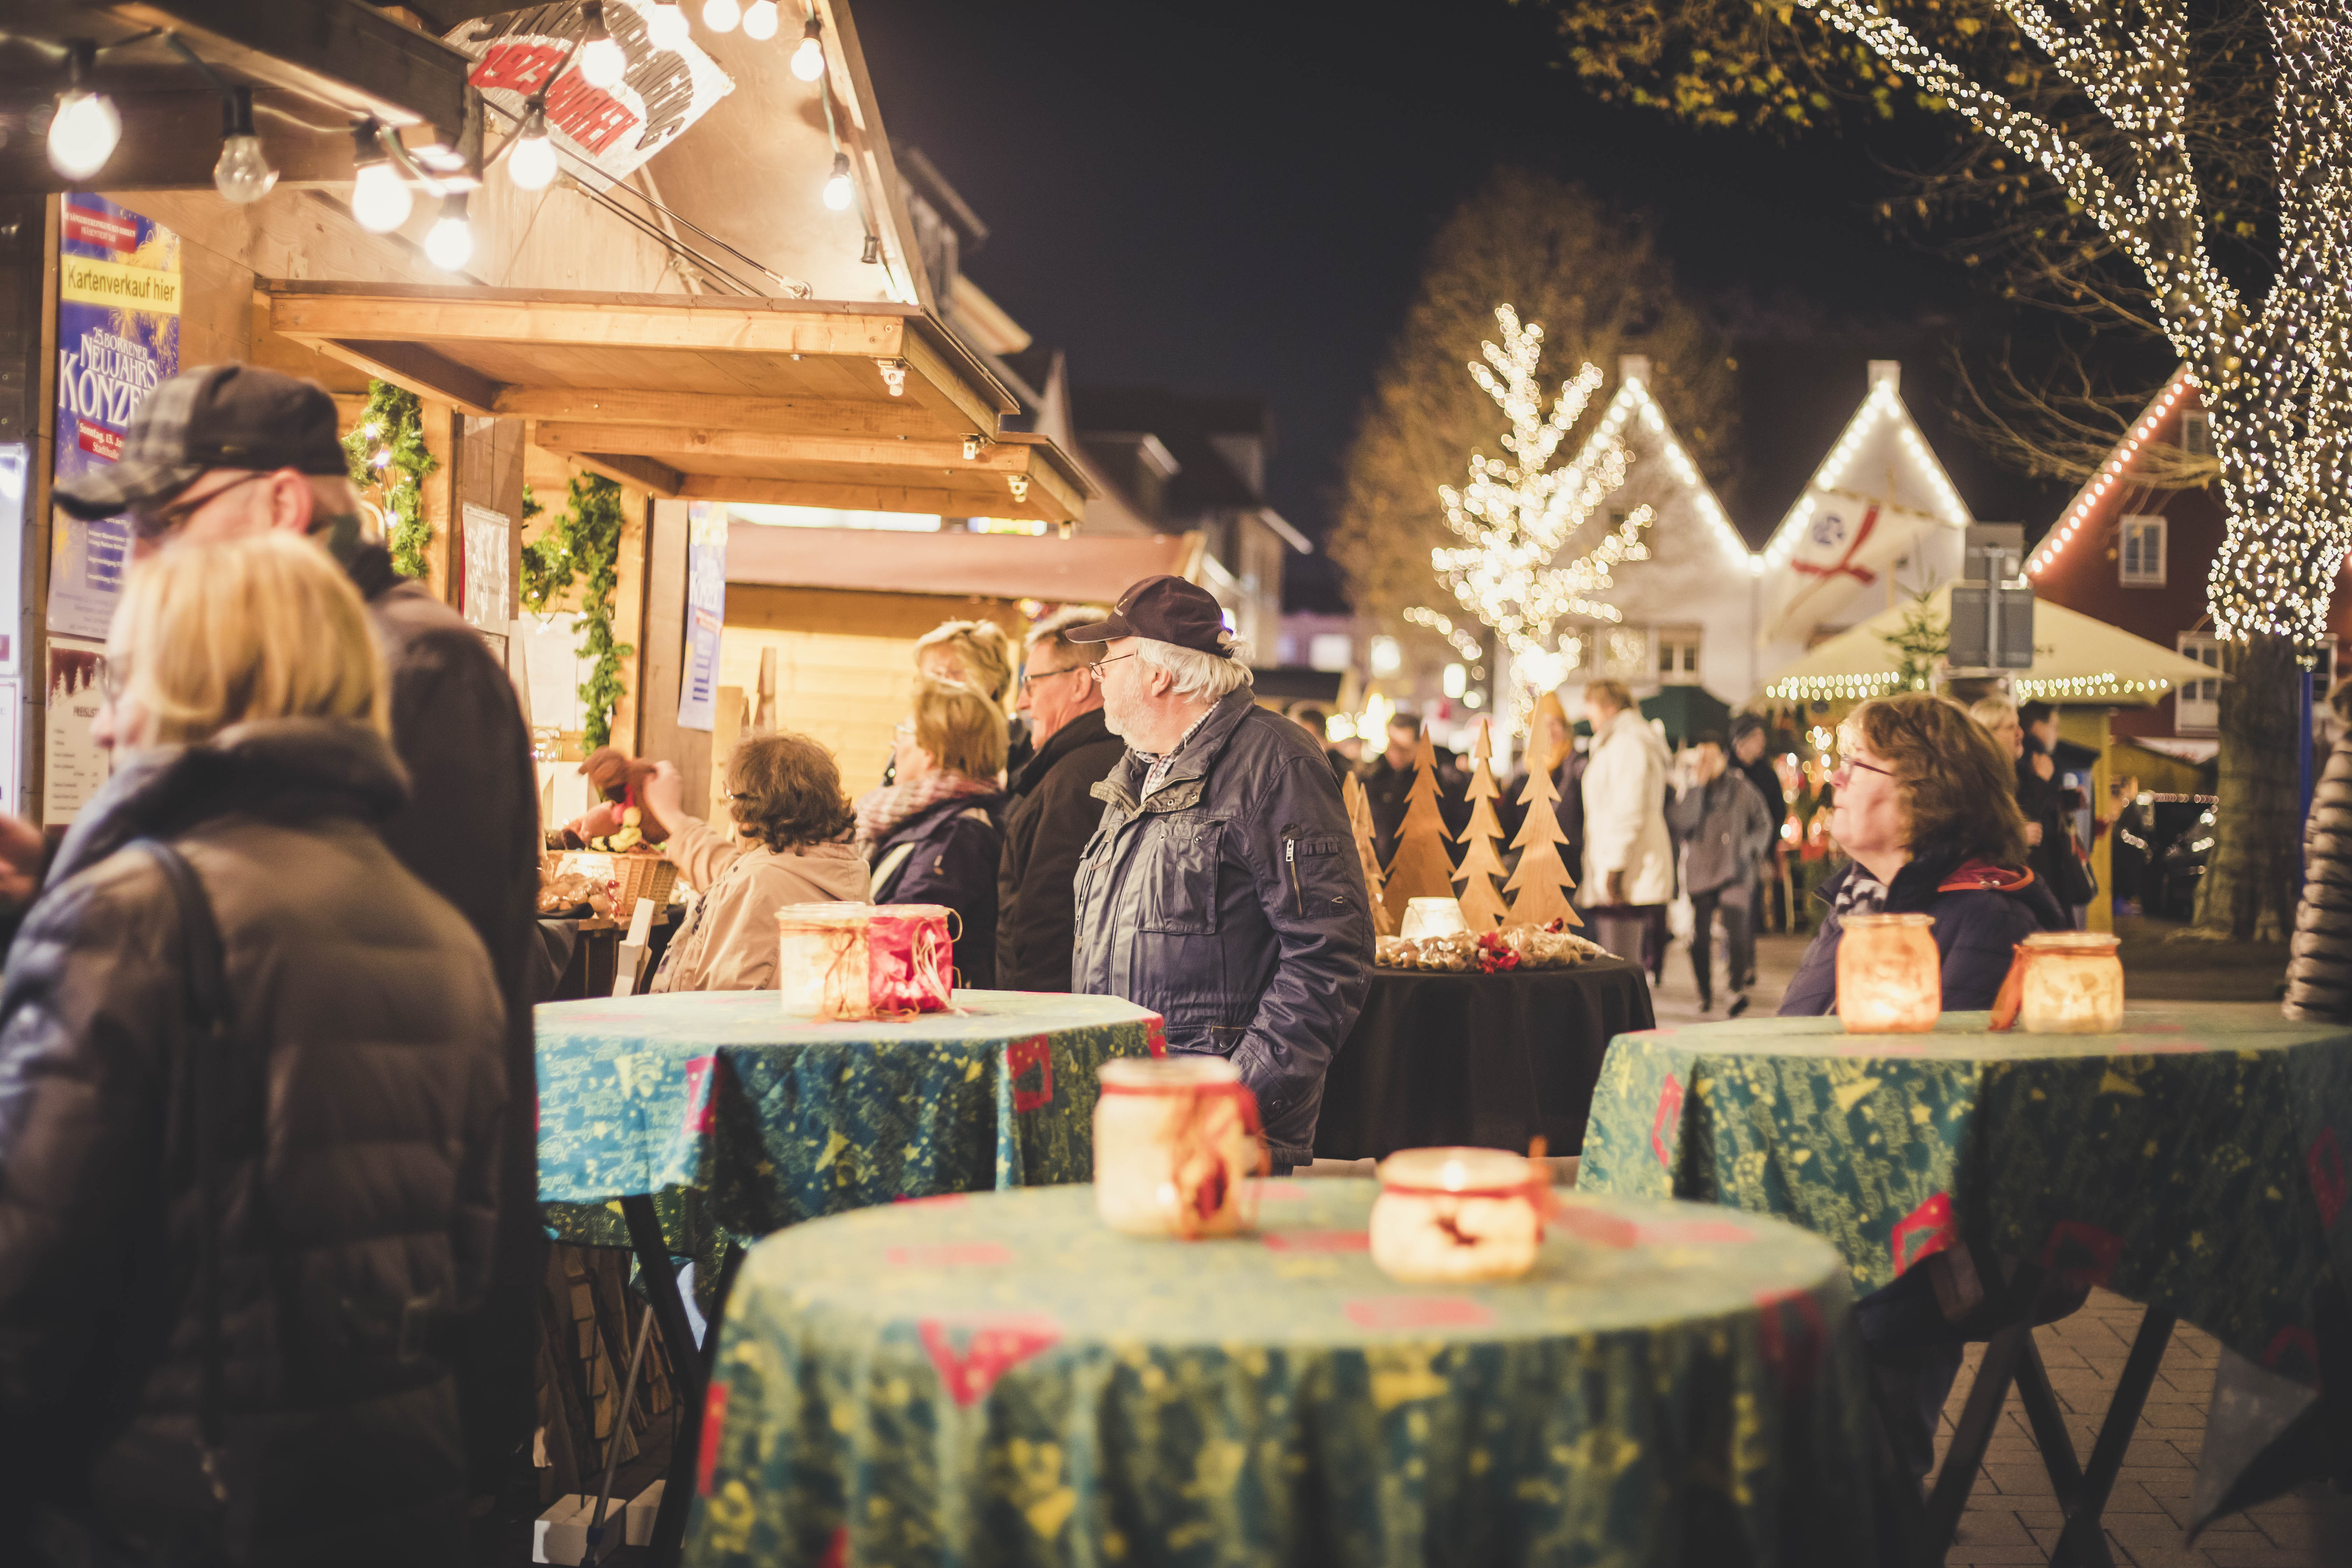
1166,609
215,417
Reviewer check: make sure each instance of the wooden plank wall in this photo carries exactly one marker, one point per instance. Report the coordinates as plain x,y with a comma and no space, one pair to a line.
664,663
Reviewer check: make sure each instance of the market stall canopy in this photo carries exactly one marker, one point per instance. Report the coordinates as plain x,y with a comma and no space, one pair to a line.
2076,659
991,565
857,404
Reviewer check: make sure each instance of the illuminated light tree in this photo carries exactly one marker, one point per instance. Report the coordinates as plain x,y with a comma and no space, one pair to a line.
1517,514
1482,907
1360,825
1420,867
1541,886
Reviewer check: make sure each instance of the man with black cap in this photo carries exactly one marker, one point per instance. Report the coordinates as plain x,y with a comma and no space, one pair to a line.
226,451
1222,889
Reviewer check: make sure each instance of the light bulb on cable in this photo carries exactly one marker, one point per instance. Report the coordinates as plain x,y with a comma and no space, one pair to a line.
666,25
721,16
601,60
380,198
837,190
87,127
760,20
243,175
450,245
531,165
808,59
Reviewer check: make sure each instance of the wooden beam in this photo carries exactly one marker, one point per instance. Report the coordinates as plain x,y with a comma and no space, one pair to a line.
931,455
418,369
709,323
642,472
947,390
331,51
171,141
996,501
846,417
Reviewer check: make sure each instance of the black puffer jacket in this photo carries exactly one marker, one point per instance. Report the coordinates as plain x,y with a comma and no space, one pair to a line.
1051,816
359,1162
947,854
1230,901
2319,966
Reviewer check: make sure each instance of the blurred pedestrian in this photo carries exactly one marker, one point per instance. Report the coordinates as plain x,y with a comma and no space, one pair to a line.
250,1100
792,845
1388,782
1316,720
1629,856
2030,735
980,654
1551,746
1052,811
1749,741
1724,831
231,451
933,836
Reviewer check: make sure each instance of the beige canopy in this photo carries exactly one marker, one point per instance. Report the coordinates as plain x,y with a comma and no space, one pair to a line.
2076,659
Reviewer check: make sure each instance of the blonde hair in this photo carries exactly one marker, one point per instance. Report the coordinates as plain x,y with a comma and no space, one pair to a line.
1990,711
266,626
1549,706
963,730
980,647
1615,693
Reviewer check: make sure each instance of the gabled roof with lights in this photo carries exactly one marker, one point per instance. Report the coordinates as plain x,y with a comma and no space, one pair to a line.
1634,405
2109,483
1882,409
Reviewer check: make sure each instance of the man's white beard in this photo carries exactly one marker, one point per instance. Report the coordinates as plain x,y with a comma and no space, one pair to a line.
1114,719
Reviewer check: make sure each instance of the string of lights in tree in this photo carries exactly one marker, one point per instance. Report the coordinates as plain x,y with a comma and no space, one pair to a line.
1518,512
2276,381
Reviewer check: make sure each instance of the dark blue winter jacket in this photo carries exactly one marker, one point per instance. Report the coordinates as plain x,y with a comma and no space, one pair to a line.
950,855
1982,911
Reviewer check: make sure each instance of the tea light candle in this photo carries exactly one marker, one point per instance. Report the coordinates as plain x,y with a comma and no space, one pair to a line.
1431,916
863,961
2073,983
1456,1217
1176,1140
1890,977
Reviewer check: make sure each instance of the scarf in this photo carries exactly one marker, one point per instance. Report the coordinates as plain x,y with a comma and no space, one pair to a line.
880,811
1862,894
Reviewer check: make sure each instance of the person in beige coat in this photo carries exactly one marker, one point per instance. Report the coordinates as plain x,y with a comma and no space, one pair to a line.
793,825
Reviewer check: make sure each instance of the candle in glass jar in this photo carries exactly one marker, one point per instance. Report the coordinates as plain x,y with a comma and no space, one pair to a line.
2072,985
1455,1216
820,960
1431,916
1176,1140
1890,977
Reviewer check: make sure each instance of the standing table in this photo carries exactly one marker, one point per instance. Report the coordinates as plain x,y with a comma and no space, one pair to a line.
692,1123
1001,1380
2193,1162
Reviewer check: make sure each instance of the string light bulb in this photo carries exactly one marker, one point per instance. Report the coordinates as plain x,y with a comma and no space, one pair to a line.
666,25
837,189
808,59
531,165
721,16
381,201
87,127
602,61
760,20
243,175
450,244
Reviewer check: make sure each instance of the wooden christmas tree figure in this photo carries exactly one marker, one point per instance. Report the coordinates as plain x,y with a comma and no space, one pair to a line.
1482,906
1420,868
1538,888
1359,823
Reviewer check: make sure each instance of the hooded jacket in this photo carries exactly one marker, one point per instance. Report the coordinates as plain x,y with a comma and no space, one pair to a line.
1725,829
1625,814
1046,825
729,942
358,1166
1982,911
1230,901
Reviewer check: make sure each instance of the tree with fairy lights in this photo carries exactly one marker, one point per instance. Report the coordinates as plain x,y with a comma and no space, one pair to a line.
1517,514
2186,170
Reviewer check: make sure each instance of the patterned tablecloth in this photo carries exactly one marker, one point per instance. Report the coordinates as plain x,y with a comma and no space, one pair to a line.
2194,1162
1000,1380
767,1120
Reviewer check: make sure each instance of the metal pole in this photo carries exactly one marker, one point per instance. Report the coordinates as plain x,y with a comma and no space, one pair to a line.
620,1426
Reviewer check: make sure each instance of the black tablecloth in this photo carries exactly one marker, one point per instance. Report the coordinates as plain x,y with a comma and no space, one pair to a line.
1487,1059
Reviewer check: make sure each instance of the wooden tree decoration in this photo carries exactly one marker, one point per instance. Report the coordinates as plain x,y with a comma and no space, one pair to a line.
1482,906
1538,888
1420,868
1359,823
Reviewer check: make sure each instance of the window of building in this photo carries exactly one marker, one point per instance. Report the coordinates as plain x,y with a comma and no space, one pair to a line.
2197,432
2142,552
2197,704
1678,656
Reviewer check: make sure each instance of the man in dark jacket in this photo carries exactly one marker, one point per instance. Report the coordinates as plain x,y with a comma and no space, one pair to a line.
1052,814
1388,782
1748,740
1723,831
226,451
1222,889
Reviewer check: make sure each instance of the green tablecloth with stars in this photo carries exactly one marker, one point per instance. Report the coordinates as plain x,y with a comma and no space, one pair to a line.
1001,1380
742,1121
2194,1162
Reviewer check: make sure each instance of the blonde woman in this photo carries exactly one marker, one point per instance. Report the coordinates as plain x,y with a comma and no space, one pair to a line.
980,654
248,1239
935,836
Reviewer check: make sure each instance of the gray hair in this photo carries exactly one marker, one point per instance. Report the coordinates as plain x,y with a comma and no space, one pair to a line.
1053,631
1198,674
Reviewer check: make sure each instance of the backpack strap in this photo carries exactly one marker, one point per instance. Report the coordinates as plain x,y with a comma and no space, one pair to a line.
1984,876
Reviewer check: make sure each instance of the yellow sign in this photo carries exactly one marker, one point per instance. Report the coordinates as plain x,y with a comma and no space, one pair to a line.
85,281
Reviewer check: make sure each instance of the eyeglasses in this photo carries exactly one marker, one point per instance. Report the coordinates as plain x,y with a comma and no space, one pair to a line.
905,730
1112,659
1844,769
113,676
171,519
1028,680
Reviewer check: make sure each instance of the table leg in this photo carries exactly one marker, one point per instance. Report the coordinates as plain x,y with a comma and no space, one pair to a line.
2084,1542
690,1373
2057,1444
1972,1435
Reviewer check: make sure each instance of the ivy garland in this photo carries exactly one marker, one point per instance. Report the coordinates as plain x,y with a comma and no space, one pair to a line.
386,452
585,538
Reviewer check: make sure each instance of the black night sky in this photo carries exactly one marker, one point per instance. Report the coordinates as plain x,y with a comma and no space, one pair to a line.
1235,197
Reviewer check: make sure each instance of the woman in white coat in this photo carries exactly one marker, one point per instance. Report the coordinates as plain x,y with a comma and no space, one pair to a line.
1629,856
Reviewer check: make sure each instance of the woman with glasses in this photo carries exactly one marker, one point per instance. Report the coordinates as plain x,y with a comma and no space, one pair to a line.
935,834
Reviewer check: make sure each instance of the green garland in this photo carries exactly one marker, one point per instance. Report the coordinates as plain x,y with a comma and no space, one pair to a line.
585,538
386,451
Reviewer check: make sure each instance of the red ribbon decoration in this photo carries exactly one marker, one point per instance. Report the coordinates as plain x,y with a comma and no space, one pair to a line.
1845,566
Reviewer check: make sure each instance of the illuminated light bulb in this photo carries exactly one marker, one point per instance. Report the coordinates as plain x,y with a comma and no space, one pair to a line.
601,60
380,197
450,245
531,165
760,20
243,175
837,189
83,135
721,16
666,25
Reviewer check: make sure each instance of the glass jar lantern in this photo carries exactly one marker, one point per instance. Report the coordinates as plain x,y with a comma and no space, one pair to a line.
1176,1140
1456,1217
2073,984
1890,976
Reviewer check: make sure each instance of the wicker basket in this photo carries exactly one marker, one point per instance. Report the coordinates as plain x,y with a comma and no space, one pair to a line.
638,877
